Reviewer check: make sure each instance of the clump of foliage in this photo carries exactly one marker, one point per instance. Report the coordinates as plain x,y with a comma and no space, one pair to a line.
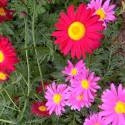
30,31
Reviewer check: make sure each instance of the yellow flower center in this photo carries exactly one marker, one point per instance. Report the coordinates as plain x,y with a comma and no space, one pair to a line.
57,98
80,97
3,76
85,84
76,30
74,71
101,13
120,107
97,124
42,108
1,57
2,12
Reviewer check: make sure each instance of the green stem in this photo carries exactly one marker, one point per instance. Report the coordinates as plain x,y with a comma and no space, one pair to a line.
24,108
34,43
11,99
7,121
27,57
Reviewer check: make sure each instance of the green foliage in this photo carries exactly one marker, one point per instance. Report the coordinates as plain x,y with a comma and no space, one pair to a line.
30,32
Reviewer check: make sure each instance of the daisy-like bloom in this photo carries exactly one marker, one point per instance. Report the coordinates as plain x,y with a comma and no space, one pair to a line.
95,119
72,72
113,105
39,89
87,83
56,96
78,32
5,14
77,100
104,10
7,55
4,76
39,109
3,3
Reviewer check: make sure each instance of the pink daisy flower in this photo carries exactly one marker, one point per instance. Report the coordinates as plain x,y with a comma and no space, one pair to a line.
114,105
104,10
72,71
95,119
87,83
56,98
77,100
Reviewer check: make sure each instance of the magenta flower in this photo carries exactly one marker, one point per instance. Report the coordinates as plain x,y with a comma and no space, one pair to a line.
95,119
77,100
72,72
104,10
87,83
56,96
113,106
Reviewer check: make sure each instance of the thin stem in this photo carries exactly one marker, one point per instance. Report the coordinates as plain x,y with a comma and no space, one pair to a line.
7,121
11,99
34,43
27,57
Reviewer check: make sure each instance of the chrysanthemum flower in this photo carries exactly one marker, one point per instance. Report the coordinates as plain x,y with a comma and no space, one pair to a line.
73,71
87,83
5,14
7,55
39,89
56,98
113,106
95,119
77,100
78,32
104,10
39,109
3,3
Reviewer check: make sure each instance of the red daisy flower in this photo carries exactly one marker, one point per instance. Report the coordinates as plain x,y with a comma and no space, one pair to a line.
39,109
39,89
78,32
7,55
3,3
5,14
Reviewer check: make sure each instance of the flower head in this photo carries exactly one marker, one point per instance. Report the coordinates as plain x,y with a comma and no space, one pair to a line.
86,83
95,119
78,32
77,100
104,10
8,56
56,98
39,109
5,14
113,105
72,71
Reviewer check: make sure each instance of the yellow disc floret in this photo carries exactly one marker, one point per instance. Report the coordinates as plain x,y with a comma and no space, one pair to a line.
42,108
2,12
57,98
3,76
74,71
120,107
85,84
80,97
76,31
101,13
1,57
